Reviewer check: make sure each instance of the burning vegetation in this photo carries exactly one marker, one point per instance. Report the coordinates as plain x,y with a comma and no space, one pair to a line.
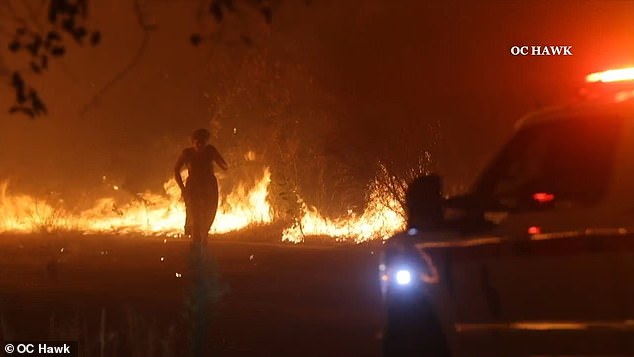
153,214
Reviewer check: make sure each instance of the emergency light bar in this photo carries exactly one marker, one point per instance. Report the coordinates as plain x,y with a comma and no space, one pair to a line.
613,75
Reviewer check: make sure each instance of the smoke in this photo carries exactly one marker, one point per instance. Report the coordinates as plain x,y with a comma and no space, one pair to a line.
332,87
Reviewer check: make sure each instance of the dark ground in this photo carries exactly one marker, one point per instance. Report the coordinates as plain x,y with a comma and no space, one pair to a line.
313,299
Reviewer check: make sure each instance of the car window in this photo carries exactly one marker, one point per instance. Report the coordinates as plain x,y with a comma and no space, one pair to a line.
564,161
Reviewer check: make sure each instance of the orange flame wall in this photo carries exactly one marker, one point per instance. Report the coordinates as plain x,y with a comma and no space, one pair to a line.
154,214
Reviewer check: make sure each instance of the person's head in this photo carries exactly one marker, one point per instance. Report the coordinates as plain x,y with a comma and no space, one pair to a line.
200,137
424,201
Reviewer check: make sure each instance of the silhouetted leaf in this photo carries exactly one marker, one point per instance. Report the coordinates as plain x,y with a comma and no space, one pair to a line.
18,84
216,10
14,46
53,9
20,97
267,13
36,102
34,47
95,38
16,80
58,51
69,24
17,109
63,17
79,33
35,68
53,36
195,39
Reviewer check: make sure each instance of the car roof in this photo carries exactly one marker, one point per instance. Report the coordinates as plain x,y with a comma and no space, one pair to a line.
584,109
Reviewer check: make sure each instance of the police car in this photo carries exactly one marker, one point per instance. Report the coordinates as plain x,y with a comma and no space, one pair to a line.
538,259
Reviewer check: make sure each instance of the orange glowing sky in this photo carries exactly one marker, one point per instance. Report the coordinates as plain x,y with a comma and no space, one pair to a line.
368,66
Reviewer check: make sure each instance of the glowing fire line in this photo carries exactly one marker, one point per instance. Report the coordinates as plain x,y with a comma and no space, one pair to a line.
379,220
154,214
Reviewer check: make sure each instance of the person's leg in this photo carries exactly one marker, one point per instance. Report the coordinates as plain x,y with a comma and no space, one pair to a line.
188,218
188,212
195,220
211,210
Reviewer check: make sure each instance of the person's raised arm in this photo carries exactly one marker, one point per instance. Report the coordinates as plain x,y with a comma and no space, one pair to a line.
177,171
220,161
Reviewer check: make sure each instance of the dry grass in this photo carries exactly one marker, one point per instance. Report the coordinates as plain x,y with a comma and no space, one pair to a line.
259,297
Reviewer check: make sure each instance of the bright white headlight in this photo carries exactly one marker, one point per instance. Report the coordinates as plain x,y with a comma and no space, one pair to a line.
403,277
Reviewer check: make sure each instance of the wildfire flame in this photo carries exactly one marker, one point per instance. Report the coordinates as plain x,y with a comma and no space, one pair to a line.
154,214
380,219
149,214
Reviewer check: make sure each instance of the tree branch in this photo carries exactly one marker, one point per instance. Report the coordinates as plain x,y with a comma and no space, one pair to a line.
135,60
119,76
17,18
33,14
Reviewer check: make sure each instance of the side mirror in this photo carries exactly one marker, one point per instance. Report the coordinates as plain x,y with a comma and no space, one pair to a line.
425,202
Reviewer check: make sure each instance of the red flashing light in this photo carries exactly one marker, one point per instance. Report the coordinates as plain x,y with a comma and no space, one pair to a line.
543,197
534,230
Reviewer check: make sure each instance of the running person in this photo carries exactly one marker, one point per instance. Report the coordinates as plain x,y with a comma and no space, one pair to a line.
201,190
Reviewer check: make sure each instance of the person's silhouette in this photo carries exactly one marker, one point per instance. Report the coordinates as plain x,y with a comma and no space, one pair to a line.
201,190
424,203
